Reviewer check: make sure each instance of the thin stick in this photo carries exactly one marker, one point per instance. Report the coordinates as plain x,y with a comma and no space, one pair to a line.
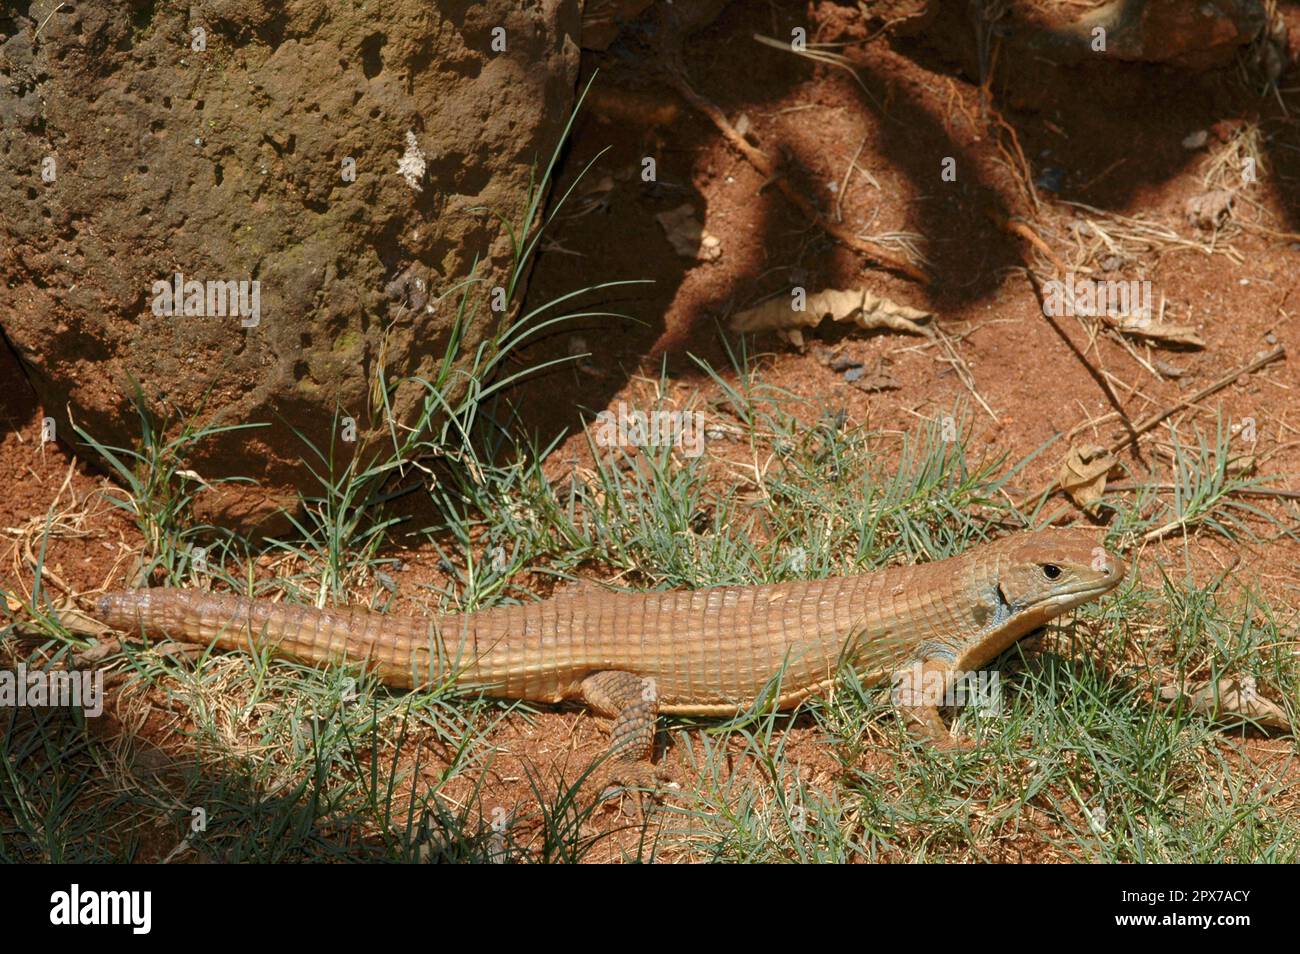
1094,373
47,19
1155,419
760,161
1019,227
1239,492
963,370
1150,422
1026,171
839,196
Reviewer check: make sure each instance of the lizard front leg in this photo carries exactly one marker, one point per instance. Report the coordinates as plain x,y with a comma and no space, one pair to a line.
918,692
633,703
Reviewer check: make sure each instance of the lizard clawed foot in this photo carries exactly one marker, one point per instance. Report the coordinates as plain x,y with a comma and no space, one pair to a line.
638,777
926,725
952,743
633,703
918,701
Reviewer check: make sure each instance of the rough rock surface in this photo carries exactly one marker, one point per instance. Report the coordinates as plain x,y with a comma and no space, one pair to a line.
1192,34
1198,35
126,156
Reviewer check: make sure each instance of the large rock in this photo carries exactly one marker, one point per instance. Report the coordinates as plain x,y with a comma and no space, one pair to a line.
228,165
1198,35
1191,34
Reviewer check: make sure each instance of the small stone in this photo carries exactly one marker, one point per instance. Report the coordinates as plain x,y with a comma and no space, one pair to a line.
1225,129
1210,209
1270,338
1051,179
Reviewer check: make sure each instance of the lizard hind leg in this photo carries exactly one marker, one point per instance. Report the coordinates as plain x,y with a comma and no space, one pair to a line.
633,703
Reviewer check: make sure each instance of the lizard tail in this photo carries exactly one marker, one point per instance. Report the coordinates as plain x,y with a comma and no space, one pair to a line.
390,644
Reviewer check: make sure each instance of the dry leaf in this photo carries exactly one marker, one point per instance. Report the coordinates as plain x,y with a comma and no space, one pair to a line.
1230,696
875,378
1243,466
1209,210
1143,326
76,621
1083,474
595,197
835,358
687,236
857,305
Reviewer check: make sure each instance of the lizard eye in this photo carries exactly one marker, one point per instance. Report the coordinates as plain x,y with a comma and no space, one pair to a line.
1051,571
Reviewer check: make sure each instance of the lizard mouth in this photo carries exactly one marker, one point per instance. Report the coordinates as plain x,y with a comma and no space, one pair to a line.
1080,591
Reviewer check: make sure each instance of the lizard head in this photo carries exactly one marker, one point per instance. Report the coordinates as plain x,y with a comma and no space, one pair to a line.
1042,575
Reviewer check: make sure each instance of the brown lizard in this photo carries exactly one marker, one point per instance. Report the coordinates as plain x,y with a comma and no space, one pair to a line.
708,652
